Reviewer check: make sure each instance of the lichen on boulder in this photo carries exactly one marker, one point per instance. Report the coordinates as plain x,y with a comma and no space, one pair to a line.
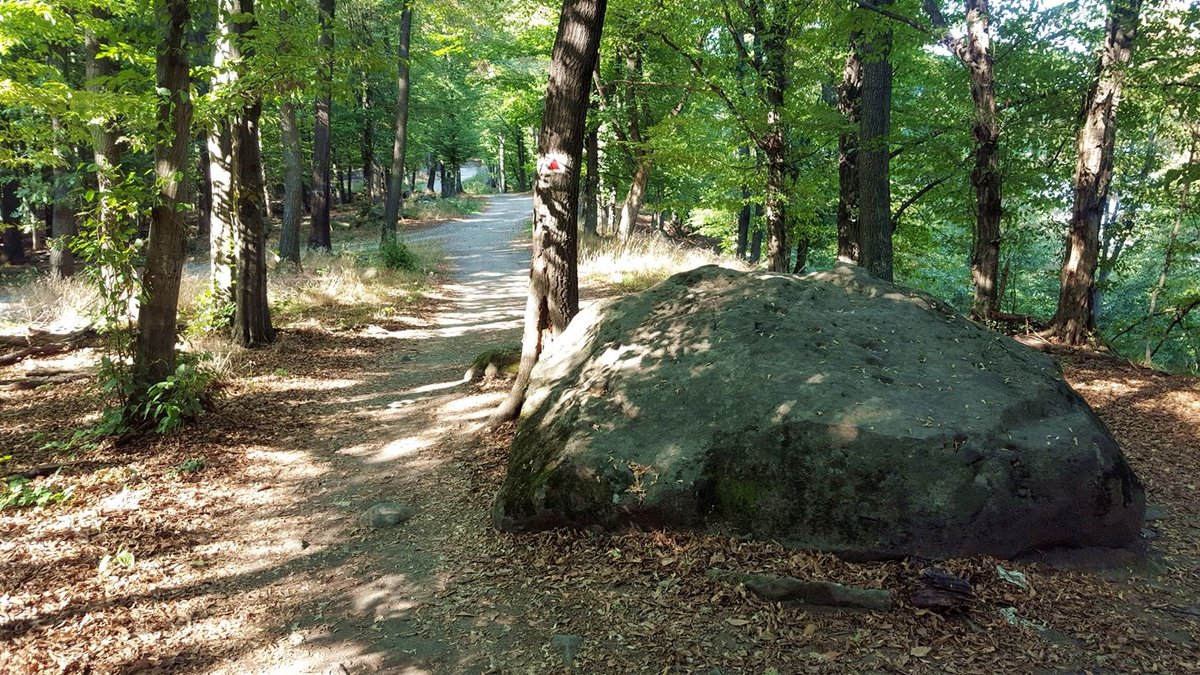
829,411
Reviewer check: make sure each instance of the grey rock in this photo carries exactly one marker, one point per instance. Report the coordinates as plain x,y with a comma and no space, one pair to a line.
829,411
386,514
567,646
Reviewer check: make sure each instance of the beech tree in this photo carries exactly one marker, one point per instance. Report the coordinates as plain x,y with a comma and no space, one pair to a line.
395,190
553,274
155,351
321,188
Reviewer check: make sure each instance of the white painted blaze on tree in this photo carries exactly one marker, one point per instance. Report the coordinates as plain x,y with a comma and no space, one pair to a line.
553,162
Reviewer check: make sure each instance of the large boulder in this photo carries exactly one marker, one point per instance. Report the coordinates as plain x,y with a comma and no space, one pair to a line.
830,411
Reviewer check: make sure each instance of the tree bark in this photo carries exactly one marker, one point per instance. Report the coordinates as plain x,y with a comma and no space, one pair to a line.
1169,254
252,316
395,195
976,54
522,161
632,206
63,227
166,245
222,214
849,104
745,215
321,187
293,184
591,188
14,242
774,144
875,215
1074,320
500,172
106,145
553,278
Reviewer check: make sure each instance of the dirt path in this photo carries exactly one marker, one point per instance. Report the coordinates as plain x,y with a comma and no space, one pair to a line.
390,435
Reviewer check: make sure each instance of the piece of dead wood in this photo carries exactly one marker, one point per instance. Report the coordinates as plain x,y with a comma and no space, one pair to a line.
40,343
942,591
824,593
44,470
33,381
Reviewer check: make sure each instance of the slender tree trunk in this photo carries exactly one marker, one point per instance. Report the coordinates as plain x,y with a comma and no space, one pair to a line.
367,142
63,227
522,161
976,55
875,196
252,316
802,246
1074,320
205,186
775,146
395,195
166,246
500,171
591,188
106,145
553,277
222,216
631,208
745,215
756,247
14,243
1169,254
444,178
849,104
321,188
293,184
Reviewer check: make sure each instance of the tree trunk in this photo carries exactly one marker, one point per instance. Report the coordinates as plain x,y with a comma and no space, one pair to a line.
553,277
632,206
106,145
500,171
321,188
444,178
166,246
745,215
775,145
875,209
252,316
849,104
522,161
591,188
1169,254
1073,322
801,255
395,195
63,227
756,247
222,216
293,184
14,243
205,195
367,142
976,55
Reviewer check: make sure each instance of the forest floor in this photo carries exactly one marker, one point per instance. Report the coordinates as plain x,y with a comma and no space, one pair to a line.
248,556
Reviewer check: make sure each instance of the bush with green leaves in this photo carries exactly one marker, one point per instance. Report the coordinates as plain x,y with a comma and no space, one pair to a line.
396,255
164,407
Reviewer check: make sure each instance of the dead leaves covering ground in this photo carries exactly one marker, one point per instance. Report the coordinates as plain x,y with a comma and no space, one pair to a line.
641,600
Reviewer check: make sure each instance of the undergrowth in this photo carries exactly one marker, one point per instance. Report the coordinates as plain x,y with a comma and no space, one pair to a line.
639,262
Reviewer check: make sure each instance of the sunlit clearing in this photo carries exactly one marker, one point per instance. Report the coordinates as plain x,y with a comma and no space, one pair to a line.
641,261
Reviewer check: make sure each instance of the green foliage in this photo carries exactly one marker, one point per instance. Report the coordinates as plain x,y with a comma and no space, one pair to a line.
395,255
167,405
19,492
187,467
213,313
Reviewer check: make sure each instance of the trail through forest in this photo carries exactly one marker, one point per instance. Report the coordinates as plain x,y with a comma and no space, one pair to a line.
258,561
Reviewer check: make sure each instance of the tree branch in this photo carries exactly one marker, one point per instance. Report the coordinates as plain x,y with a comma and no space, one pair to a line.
913,199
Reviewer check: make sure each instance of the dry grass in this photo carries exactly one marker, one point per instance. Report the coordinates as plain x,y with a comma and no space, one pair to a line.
641,261
60,304
351,286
